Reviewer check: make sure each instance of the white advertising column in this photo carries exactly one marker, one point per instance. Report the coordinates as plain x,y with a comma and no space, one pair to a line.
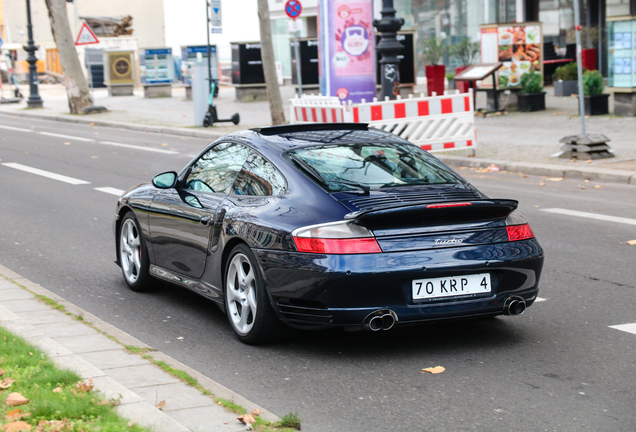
200,91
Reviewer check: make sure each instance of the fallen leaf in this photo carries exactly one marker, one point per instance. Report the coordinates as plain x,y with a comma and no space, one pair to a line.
67,143
6,383
16,399
85,386
161,405
131,423
257,412
632,242
491,168
541,184
53,426
57,390
598,187
1,372
16,414
582,187
555,178
164,145
588,161
31,354
94,157
586,181
16,427
92,124
434,370
248,419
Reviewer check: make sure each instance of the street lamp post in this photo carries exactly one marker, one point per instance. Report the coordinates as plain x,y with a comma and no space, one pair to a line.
34,100
389,47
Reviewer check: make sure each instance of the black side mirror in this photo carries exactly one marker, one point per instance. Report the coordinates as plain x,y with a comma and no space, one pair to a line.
165,180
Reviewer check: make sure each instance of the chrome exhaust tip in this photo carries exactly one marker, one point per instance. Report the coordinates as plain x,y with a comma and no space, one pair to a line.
514,306
382,319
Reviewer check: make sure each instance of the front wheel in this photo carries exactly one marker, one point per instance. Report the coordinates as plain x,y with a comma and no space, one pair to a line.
246,301
133,256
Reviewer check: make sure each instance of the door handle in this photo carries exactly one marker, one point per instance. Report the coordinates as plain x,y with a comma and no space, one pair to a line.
205,219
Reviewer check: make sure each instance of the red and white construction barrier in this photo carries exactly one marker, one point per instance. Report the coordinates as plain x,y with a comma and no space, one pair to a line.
434,123
317,109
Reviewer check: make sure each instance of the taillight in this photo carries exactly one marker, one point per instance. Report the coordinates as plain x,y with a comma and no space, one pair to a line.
517,227
335,238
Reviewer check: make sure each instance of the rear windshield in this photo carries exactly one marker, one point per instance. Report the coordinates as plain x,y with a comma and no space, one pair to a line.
370,166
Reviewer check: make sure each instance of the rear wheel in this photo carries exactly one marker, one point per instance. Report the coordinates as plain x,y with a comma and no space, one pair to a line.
246,301
133,256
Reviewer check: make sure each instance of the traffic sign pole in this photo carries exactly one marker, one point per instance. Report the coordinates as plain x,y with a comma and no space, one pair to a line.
293,8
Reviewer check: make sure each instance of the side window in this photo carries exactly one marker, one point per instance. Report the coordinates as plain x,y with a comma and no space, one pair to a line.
217,169
259,177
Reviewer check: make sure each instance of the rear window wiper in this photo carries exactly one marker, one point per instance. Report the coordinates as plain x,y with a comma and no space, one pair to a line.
365,187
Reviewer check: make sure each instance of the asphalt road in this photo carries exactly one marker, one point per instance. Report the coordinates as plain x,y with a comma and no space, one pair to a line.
560,366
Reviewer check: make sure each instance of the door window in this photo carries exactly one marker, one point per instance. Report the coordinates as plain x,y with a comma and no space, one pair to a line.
260,178
217,169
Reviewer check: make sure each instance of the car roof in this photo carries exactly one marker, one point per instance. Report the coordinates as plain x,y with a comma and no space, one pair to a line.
282,138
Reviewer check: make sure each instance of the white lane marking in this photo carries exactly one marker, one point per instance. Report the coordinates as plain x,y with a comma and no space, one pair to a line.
16,129
629,328
591,215
67,136
110,190
539,299
150,149
47,174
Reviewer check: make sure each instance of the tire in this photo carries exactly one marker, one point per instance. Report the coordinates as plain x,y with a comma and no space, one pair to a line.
133,255
246,302
206,121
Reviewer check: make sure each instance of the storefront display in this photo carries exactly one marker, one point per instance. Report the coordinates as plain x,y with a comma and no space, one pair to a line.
519,47
622,52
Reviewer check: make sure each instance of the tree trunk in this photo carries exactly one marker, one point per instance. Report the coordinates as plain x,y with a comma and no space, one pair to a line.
269,65
77,90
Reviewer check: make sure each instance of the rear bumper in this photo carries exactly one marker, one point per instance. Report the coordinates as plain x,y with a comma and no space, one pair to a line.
313,290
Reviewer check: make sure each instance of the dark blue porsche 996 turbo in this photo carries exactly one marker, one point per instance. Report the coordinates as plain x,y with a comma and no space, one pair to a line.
330,225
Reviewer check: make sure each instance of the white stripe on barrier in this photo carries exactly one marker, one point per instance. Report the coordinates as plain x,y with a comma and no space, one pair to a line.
316,109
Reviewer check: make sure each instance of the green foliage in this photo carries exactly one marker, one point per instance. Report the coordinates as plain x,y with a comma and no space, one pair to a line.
531,82
433,50
465,51
231,406
450,75
290,420
568,72
592,83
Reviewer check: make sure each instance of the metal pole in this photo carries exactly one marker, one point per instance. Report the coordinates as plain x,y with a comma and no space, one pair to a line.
297,54
207,14
389,47
579,66
34,100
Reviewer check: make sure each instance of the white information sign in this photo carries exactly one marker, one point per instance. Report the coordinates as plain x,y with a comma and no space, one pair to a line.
215,14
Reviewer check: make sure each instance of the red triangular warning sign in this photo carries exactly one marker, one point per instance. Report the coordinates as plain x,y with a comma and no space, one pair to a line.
86,36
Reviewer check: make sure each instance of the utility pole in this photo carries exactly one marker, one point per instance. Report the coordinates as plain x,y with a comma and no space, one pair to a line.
77,90
269,65
389,47
34,101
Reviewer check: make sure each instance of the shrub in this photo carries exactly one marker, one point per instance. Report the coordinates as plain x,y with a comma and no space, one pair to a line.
531,82
433,50
592,83
568,72
465,51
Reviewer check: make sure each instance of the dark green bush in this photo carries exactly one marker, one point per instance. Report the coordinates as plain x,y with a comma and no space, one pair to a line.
592,83
566,72
531,82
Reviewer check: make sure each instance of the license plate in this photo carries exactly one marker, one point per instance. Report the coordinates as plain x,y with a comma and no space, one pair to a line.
451,286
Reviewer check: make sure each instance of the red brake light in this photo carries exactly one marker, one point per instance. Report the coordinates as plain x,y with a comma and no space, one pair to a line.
463,204
519,232
337,246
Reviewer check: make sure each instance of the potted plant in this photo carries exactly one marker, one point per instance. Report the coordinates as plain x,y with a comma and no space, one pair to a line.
531,97
464,52
566,80
451,82
595,103
433,50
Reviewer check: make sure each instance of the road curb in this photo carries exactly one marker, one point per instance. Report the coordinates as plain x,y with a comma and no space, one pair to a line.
126,339
546,170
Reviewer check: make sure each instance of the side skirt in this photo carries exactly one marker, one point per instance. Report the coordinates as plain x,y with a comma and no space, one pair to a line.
197,286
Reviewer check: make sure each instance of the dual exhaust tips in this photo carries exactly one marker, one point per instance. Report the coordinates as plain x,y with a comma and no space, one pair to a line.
382,319
514,306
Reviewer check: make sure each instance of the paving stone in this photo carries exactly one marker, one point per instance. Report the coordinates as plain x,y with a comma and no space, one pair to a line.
111,389
208,419
15,294
49,346
177,396
22,329
30,305
70,328
114,359
46,317
78,365
7,315
87,343
6,284
141,376
147,415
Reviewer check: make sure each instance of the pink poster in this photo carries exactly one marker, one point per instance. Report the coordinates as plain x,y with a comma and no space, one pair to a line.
354,38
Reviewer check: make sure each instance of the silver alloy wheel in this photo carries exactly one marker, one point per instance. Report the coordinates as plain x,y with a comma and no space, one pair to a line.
241,293
130,251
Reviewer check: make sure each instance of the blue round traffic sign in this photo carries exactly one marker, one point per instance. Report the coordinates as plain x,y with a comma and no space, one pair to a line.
293,8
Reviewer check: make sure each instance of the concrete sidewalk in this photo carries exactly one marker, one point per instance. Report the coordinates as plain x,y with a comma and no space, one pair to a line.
520,142
94,349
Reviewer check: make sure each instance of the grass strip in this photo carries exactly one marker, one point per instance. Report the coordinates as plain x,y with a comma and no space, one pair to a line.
54,401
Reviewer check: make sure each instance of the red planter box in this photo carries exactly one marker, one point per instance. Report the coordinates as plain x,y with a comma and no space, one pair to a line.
462,86
435,75
588,58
